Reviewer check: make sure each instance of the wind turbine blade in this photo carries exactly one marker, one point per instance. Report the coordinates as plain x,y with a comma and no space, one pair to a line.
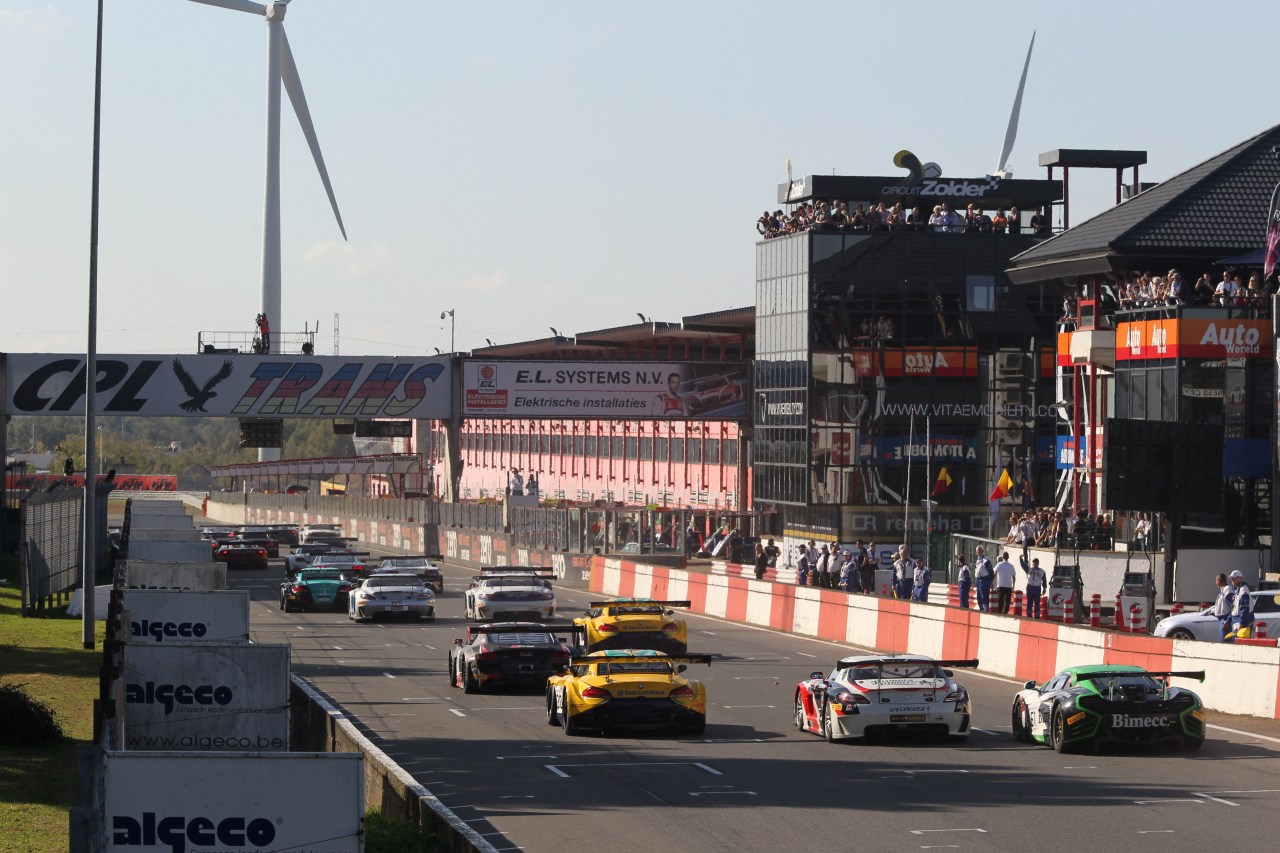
237,5
1012,132
293,85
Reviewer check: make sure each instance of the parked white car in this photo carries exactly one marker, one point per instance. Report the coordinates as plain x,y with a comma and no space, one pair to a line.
1203,625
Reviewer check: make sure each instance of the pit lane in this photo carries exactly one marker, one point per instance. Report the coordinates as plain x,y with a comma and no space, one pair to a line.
752,782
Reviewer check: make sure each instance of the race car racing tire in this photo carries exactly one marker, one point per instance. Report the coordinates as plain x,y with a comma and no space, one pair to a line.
453,673
569,722
1021,722
1192,744
553,719
801,723
284,604
469,682
1058,732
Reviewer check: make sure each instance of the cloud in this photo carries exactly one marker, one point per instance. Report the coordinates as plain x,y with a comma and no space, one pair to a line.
34,21
493,282
348,261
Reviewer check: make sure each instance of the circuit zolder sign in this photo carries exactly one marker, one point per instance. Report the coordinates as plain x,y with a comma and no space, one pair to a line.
277,386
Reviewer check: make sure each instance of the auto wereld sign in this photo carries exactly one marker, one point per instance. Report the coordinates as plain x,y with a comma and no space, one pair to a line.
277,386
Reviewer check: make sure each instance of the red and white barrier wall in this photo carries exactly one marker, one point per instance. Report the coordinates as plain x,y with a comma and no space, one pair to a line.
1238,679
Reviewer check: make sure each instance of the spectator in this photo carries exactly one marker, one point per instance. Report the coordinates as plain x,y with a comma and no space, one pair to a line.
1202,294
1015,221
515,482
802,567
904,569
916,219
532,487
1224,295
1254,297
734,547
1036,585
971,216
1177,293
1142,532
765,226
964,580
949,218
1102,537
840,217
1006,577
264,334
761,562
1000,224
859,219
985,573
1041,226
823,576
866,565
920,580
692,541
1028,530
1223,605
772,552
1242,608
847,577
936,221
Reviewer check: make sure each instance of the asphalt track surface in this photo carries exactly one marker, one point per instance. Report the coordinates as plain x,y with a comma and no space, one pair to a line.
752,781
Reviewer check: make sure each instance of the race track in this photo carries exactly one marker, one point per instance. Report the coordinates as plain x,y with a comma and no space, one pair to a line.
754,782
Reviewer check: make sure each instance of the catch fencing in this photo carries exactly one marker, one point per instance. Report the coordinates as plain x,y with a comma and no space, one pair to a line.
49,554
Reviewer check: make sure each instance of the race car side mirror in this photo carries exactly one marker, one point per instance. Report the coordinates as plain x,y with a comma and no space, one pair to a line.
815,675
681,668
1029,685
948,673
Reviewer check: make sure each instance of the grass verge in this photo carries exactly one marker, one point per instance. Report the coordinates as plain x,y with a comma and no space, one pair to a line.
45,656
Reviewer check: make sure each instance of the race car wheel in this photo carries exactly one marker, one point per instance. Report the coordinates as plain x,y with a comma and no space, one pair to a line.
553,719
453,675
1181,634
1192,744
1021,722
570,722
801,723
1058,732
828,724
470,684
284,604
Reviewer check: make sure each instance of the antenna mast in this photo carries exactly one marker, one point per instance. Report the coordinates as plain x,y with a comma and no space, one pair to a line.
335,335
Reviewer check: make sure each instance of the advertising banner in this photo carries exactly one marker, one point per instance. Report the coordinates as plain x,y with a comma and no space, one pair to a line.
293,802
604,389
187,616
1198,338
122,483
191,697
274,386
147,574
942,361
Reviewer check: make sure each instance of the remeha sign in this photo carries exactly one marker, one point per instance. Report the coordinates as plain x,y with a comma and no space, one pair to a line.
237,385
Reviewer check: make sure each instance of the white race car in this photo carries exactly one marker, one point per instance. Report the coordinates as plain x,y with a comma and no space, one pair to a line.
508,593
868,694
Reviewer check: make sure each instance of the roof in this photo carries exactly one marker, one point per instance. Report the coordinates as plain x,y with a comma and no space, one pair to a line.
1214,209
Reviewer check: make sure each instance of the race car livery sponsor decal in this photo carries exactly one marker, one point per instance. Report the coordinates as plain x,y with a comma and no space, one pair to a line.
1124,721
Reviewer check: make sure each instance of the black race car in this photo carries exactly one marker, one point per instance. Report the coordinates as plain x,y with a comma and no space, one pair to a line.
1086,705
508,653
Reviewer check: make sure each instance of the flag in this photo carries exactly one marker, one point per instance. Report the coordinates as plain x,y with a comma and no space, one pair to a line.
1273,235
943,482
1003,486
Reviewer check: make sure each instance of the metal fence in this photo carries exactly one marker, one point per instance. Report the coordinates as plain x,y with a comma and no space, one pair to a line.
386,509
49,554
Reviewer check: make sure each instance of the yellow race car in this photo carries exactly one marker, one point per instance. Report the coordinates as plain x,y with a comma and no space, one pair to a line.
634,623
627,688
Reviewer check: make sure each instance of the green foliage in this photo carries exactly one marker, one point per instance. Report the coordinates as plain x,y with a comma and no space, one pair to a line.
185,447
384,836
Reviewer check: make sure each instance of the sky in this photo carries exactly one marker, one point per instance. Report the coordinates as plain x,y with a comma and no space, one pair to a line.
539,165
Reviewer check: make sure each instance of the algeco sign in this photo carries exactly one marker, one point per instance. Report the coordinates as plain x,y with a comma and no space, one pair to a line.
232,386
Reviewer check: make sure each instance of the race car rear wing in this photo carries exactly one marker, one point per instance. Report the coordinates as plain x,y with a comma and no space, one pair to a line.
1197,675
637,602
525,628
894,661
583,661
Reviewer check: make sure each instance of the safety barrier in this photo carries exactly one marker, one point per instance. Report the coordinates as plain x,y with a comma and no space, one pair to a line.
1240,679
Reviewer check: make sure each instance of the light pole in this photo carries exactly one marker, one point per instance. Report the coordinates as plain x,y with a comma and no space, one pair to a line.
452,328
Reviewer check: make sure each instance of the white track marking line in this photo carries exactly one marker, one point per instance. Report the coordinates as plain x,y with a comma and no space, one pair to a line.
1243,733
923,831
1215,799
1167,800
456,711
388,675
806,655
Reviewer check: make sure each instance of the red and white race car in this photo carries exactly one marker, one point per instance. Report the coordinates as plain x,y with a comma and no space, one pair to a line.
868,694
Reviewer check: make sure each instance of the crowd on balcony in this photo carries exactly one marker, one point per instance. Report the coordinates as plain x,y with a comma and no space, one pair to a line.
822,215
1050,528
1152,291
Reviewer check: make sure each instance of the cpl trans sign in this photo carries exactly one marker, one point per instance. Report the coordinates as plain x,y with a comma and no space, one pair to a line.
1171,338
232,386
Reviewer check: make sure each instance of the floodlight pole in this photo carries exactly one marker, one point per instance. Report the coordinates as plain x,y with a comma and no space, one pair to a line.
89,544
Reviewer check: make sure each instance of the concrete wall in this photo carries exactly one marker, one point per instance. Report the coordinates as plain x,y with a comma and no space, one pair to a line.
1239,679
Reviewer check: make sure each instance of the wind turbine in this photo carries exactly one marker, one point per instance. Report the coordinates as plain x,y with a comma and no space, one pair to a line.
280,68
1011,133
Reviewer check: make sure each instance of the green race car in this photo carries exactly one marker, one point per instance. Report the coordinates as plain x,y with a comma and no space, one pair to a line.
1083,706
316,589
